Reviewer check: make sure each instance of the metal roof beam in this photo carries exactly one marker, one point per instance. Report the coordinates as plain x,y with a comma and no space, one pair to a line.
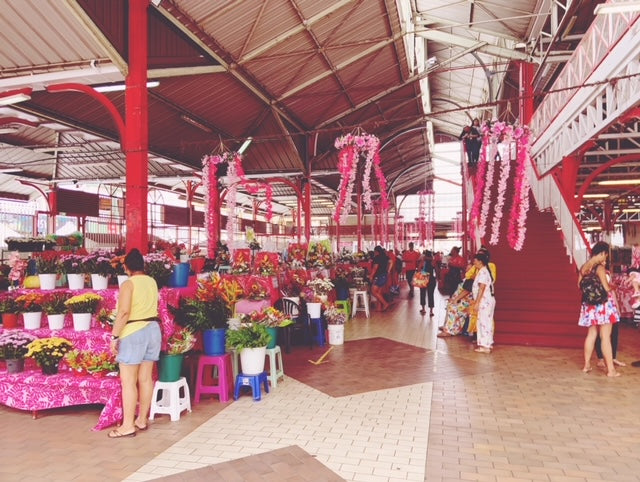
456,40
182,71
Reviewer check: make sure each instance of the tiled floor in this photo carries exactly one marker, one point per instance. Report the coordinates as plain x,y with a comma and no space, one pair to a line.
394,403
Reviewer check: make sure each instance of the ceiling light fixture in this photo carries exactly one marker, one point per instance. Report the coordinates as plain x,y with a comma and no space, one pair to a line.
594,196
15,96
619,7
195,123
619,182
245,145
121,87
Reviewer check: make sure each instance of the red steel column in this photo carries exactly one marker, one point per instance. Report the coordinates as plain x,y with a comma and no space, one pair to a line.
137,128
525,106
307,210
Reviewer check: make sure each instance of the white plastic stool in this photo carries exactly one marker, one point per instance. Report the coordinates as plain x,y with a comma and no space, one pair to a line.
362,296
170,403
276,368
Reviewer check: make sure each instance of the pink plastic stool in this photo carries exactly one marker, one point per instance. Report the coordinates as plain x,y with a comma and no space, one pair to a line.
224,386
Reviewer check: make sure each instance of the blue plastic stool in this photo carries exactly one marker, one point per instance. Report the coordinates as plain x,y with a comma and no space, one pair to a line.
318,337
252,381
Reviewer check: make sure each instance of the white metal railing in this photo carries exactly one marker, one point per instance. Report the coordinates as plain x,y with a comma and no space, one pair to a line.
548,196
581,100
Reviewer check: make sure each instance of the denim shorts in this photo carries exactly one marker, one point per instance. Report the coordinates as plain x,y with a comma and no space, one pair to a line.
142,345
380,280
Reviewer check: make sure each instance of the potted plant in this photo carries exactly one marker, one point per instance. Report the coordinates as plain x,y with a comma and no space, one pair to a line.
336,319
251,340
98,265
117,263
53,305
159,266
48,266
73,267
82,307
13,348
9,309
271,318
48,352
208,316
30,305
170,367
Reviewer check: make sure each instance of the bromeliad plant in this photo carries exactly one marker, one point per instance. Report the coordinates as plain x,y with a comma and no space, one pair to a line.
48,351
30,302
14,343
84,303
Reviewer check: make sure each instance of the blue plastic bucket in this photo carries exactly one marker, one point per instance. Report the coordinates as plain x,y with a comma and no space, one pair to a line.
180,276
213,341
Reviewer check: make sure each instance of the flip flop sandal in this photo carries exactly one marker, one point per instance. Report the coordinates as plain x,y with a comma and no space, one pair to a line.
117,434
141,429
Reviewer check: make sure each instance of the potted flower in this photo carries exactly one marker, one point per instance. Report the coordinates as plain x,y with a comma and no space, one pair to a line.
30,305
159,266
206,316
98,265
53,305
83,306
321,288
251,340
73,267
87,361
106,318
170,367
13,348
271,318
48,266
9,309
48,352
336,319
117,263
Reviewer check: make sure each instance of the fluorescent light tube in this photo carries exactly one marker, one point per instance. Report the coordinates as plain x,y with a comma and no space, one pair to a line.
245,145
121,87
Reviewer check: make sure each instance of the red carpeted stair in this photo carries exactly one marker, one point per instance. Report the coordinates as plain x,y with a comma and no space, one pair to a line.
537,297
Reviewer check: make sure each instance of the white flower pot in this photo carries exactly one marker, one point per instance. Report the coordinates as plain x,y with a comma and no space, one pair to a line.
252,360
32,320
122,278
47,281
81,321
336,334
76,281
99,282
56,321
314,309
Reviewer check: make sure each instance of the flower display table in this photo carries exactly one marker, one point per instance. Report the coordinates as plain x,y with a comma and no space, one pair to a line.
247,306
31,390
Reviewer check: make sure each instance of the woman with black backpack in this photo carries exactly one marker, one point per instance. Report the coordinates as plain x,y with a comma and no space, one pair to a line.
598,311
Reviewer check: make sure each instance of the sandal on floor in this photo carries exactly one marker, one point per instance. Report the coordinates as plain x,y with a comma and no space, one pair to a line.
482,349
116,434
141,429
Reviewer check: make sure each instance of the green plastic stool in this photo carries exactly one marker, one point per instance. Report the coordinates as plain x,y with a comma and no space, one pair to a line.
344,306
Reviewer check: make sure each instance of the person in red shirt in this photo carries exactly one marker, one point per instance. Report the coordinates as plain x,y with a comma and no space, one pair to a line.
410,259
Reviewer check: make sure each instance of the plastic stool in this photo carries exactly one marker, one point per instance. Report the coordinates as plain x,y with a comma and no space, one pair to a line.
170,403
344,306
252,381
362,296
224,386
276,368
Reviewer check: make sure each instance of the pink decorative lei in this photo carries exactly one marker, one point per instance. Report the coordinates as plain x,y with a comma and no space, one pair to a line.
497,141
352,148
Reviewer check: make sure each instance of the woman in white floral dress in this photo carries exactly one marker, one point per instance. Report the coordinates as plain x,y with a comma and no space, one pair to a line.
483,303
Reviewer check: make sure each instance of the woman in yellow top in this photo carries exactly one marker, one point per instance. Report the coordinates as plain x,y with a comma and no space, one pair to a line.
136,340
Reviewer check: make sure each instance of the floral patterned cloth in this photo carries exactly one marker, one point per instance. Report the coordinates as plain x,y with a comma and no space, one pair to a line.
602,314
31,390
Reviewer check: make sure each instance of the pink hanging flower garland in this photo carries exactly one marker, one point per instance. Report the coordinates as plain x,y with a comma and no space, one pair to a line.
479,190
352,148
503,133
518,216
488,184
210,182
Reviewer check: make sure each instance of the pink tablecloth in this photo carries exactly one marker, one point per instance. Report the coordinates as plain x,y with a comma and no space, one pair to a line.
31,390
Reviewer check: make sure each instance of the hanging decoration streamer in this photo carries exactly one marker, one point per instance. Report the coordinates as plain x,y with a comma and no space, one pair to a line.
399,231
352,148
497,141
